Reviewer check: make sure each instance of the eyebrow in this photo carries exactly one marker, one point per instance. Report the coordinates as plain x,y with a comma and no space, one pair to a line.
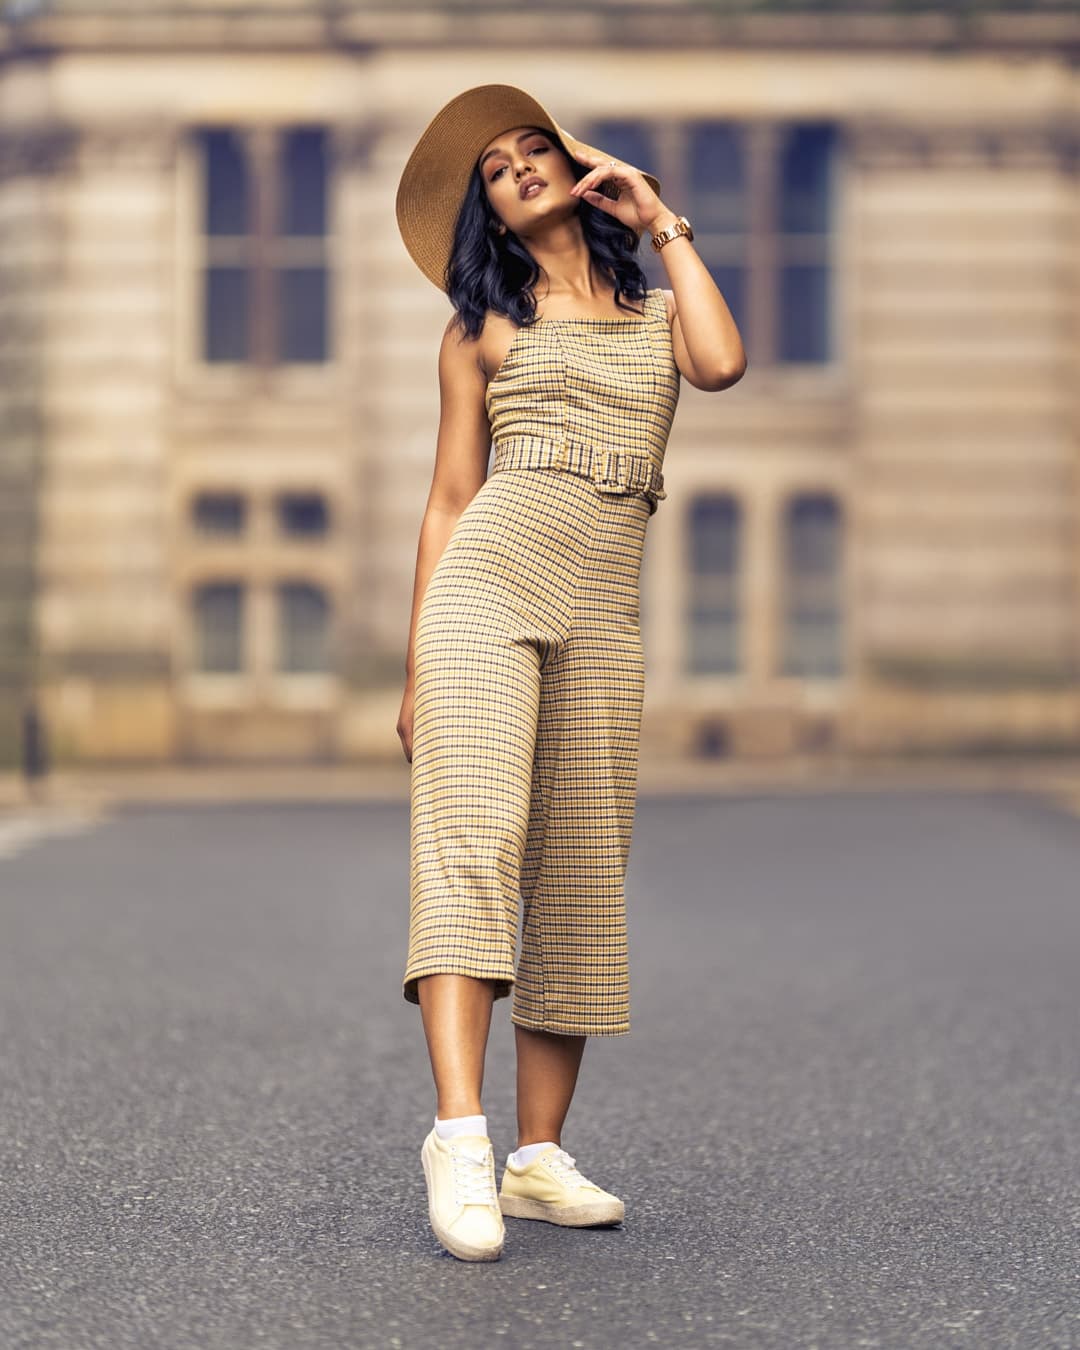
533,131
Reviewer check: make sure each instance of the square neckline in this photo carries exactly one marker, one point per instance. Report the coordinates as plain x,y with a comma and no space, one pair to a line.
643,322
590,318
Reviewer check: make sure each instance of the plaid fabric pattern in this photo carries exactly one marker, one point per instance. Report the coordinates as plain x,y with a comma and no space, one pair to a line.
529,679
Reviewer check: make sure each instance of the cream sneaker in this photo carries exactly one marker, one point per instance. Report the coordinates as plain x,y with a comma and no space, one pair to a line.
462,1203
552,1188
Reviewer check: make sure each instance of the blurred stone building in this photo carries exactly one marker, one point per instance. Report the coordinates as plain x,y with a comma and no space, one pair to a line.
218,381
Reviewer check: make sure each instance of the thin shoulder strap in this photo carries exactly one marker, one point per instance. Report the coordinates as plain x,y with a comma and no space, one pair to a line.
657,326
654,297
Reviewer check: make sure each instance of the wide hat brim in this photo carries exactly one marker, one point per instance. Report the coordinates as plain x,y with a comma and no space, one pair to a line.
435,177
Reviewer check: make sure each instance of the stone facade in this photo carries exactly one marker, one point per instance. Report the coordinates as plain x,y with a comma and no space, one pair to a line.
943,425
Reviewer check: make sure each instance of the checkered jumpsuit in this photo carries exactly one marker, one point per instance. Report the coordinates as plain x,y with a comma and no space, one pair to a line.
529,679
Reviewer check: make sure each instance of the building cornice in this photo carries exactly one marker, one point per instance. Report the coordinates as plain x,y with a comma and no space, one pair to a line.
147,27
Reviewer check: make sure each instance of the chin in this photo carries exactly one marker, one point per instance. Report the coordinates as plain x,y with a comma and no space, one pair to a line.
551,211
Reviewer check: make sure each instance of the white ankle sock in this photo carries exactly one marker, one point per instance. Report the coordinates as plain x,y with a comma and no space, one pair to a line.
527,1153
450,1129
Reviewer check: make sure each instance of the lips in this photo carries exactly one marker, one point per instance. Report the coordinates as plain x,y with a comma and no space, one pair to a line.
527,184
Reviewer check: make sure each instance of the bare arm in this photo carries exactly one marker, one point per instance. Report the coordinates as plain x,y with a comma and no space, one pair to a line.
461,455
705,341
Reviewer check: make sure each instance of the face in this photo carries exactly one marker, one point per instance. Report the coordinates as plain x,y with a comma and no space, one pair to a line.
510,160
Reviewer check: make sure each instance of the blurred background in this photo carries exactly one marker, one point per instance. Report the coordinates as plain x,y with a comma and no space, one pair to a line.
218,386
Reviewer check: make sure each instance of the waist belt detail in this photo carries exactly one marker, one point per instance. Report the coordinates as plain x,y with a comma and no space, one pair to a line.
612,471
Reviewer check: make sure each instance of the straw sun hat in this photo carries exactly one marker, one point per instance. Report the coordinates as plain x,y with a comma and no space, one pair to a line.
434,179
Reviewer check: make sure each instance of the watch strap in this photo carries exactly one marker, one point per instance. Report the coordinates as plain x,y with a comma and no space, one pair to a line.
678,227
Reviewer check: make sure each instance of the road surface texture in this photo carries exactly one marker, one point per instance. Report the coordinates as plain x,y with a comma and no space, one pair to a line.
847,1115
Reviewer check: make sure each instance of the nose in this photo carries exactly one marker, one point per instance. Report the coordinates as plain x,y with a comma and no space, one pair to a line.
524,166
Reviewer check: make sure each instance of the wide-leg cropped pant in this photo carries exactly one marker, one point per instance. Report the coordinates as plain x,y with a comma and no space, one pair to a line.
529,684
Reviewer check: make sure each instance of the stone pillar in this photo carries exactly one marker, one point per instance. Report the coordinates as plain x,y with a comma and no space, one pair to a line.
29,157
966,341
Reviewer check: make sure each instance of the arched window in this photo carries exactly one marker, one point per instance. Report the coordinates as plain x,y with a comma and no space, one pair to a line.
812,637
218,613
713,621
303,628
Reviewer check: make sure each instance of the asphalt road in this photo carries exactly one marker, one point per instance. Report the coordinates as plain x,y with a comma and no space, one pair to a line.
846,1116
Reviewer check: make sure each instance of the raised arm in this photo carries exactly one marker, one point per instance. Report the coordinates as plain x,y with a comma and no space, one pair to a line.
705,340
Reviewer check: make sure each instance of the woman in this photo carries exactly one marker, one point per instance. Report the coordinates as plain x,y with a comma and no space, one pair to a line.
524,673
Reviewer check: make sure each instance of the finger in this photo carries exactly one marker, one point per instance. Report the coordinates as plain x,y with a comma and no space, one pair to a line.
622,175
595,198
593,174
592,178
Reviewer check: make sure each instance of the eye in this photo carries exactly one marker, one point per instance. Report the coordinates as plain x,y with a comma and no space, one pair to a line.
539,149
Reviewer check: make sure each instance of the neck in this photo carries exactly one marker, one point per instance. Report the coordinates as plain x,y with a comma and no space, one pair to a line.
566,267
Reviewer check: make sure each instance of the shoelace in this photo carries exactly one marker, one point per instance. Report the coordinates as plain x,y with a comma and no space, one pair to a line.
474,1176
562,1165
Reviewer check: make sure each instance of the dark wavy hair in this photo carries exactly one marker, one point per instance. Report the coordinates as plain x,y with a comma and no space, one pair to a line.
492,271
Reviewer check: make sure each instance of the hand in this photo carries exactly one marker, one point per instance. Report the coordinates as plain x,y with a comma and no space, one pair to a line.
637,206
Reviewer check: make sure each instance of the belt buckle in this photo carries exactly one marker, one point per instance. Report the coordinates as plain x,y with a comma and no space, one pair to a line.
608,471
654,490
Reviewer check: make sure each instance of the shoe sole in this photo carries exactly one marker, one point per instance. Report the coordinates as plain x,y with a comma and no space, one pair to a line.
568,1216
462,1250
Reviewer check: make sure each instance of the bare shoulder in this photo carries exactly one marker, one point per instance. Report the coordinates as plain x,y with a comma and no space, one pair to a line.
672,311
459,354
480,356
495,341
455,342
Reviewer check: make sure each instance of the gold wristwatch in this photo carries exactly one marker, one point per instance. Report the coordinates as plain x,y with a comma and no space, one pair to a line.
681,226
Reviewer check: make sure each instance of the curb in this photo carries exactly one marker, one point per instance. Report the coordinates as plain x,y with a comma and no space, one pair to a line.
172,785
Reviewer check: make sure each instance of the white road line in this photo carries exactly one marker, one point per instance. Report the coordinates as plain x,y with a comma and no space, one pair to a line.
19,831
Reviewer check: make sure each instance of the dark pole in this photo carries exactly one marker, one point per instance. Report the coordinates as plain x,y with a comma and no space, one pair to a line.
35,758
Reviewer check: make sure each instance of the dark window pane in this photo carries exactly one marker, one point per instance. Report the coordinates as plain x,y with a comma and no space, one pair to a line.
804,313
227,191
303,628
715,557
714,646
717,207
805,180
813,586
218,512
219,627
225,313
302,301
302,513
714,525
303,197
625,140
715,174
